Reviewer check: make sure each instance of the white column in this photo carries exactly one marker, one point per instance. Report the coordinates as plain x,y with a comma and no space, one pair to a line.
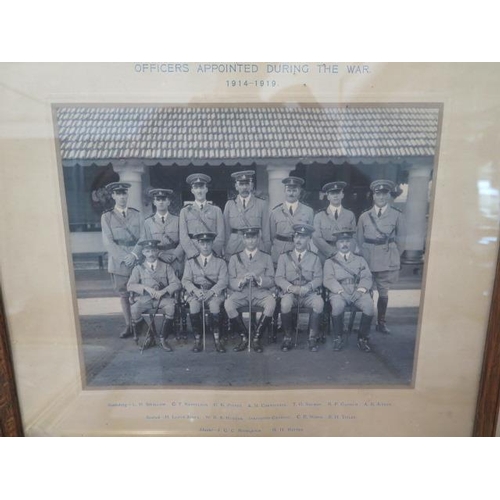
416,211
275,174
131,172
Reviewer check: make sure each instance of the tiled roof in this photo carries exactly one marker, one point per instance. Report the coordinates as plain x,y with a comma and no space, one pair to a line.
218,132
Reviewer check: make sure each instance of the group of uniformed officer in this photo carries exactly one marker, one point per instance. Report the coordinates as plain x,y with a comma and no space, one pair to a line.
243,257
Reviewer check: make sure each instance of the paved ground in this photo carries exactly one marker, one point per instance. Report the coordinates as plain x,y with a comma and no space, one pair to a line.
111,361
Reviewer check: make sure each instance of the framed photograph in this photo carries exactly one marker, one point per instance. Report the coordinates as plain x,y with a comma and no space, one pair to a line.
153,280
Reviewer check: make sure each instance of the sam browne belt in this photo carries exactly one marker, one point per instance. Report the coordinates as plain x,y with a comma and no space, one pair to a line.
379,242
126,243
284,238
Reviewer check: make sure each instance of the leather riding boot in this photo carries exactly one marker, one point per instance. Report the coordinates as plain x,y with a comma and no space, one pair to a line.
287,324
314,320
263,323
338,330
196,323
168,326
125,304
138,328
382,309
364,333
239,327
272,336
215,329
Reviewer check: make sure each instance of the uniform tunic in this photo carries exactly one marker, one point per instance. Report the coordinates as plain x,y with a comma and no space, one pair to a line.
262,295
337,278
192,220
381,240
168,234
281,227
120,236
326,226
213,276
255,214
308,272
162,276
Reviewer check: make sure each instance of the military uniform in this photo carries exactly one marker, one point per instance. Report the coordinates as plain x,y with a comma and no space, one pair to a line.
261,265
195,219
237,217
349,280
381,238
302,270
166,230
160,277
281,224
332,220
121,230
207,274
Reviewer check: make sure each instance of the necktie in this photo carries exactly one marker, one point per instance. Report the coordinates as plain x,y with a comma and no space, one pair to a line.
345,257
291,211
201,206
162,219
244,203
123,213
336,214
152,267
250,256
379,212
300,257
206,262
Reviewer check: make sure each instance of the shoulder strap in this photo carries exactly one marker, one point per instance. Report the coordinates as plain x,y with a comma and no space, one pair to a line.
345,268
123,225
199,217
296,266
211,281
377,228
242,214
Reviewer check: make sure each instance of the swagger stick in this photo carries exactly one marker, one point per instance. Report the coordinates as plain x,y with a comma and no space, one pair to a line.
250,315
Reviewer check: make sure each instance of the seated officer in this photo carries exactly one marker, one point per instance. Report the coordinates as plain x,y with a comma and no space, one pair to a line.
164,226
155,282
349,280
331,220
205,279
250,268
299,274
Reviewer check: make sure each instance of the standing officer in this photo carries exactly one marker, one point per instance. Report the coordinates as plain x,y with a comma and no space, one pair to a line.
200,217
256,267
299,274
164,226
155,282
245,210
349,280
332,219
380,235
285,215
205,279
121,230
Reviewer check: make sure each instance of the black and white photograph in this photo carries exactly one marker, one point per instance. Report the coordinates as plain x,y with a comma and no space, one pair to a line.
248,246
